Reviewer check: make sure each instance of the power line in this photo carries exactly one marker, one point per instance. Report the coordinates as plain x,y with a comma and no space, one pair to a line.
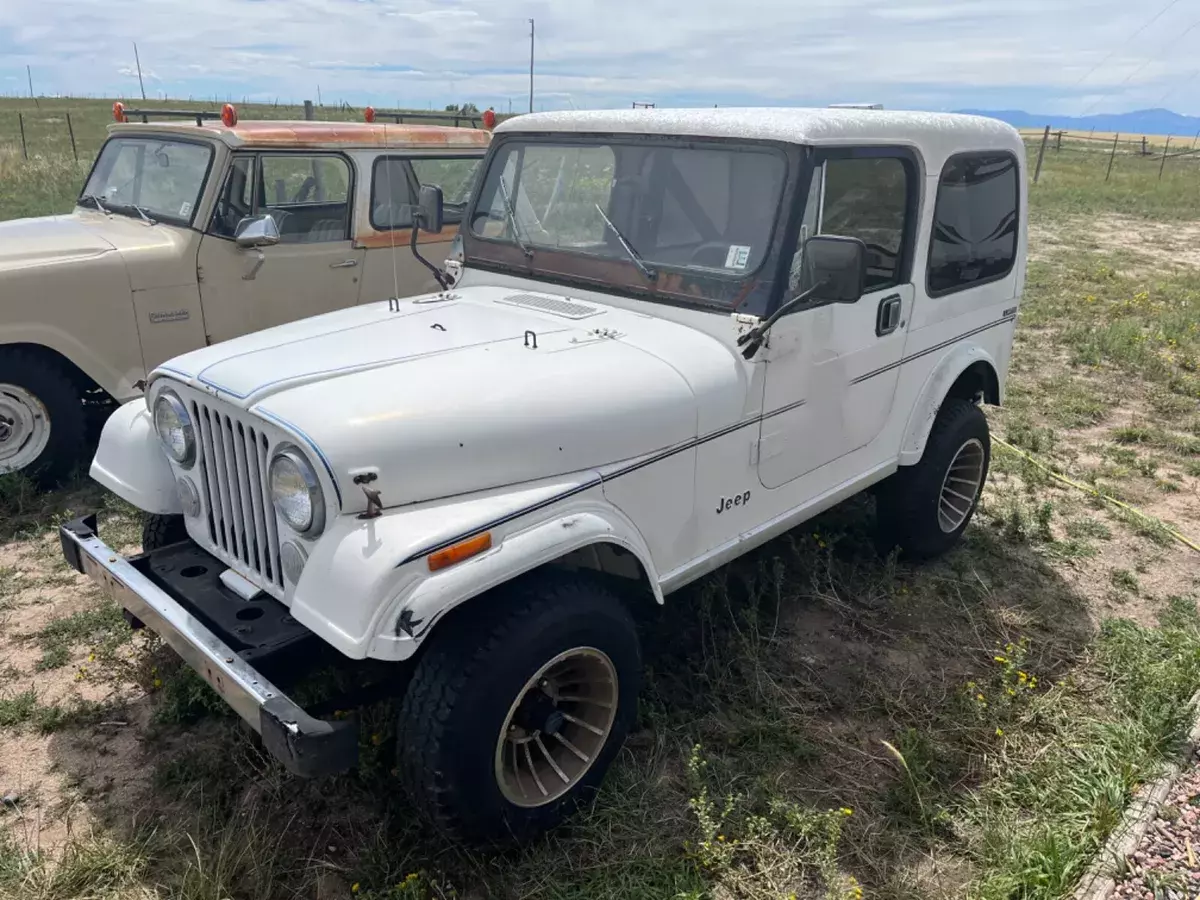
1145,63
1125,42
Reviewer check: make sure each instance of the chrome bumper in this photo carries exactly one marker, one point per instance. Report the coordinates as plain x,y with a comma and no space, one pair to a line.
305,745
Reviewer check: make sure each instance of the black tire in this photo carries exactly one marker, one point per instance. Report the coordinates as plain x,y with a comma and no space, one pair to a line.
46,381
910,503
162,531
469,678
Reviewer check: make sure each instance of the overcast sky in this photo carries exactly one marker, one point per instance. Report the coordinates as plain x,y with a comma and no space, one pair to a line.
1036,55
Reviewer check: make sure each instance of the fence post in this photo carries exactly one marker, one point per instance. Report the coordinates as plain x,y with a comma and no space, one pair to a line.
1166,146
1058,143
1145,152
71,132
308,111
1113,155
1041,152
24,148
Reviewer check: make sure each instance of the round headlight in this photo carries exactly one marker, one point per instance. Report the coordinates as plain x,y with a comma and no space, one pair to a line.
296,492
174,427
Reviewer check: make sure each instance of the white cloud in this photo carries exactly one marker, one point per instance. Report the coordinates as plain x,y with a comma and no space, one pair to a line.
928,53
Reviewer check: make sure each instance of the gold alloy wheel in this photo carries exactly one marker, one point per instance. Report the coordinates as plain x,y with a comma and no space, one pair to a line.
557,727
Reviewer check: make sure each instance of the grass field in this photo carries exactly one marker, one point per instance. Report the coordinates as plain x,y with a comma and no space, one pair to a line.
816,722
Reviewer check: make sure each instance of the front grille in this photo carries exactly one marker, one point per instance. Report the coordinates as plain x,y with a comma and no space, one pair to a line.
237,497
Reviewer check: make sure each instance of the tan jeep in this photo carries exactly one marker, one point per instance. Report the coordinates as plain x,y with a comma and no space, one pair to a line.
188,233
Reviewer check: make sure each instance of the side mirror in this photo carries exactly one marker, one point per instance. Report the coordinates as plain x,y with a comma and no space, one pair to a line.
253,232
836,268
430,208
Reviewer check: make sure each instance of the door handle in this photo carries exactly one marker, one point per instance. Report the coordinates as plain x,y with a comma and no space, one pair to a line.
344,264
887,319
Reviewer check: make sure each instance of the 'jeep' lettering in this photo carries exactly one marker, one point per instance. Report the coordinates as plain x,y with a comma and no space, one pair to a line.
724,503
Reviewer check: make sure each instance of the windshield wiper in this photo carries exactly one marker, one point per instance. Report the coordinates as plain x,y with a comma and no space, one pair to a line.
646,270
141,211
512,217
96,200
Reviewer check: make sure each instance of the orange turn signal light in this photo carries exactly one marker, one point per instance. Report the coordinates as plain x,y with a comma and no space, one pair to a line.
489,119
118,111
228,115
460,551
369,114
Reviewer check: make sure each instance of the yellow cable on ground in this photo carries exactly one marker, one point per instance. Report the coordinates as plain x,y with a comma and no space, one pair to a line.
1088,489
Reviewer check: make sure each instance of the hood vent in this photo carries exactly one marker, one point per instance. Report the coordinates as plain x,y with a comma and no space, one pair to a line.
556,306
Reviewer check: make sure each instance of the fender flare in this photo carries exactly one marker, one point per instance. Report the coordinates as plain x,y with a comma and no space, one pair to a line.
130,461
933,393
518,553
62,343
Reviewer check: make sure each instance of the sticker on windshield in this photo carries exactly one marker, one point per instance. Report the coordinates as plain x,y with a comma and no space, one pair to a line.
737,257
185,209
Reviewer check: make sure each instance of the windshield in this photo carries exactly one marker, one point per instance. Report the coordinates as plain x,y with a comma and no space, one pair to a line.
707,209
161,177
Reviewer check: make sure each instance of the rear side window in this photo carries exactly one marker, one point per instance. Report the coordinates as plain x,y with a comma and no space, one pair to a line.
975,219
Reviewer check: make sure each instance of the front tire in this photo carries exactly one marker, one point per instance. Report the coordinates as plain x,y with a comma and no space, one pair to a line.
41,418
924,509
517,708
162,531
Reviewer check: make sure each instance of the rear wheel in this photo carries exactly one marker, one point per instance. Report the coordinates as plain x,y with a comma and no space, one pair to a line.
41,418
924,509
515,713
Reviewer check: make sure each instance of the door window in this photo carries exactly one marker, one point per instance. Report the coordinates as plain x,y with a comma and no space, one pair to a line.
308,196
236,200
456,178
974,237
866,198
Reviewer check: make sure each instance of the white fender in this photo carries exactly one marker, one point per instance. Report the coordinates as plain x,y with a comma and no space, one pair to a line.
925,410
130,461
518,552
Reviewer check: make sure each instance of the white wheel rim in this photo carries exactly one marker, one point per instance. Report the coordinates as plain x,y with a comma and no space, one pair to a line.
24,428
960,487
538,762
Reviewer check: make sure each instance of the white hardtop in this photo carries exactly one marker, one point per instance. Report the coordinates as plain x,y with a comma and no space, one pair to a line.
937,134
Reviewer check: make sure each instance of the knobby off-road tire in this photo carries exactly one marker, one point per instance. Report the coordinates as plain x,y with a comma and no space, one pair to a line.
479,704
924,509
41,418
161,531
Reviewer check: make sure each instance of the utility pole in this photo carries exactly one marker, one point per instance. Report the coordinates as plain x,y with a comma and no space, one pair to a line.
531,65
138,60
33,96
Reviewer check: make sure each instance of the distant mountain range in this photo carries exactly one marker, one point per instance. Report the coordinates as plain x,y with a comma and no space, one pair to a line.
1142,121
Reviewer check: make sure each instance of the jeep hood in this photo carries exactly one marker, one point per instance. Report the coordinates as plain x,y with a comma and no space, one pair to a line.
30,242
479,391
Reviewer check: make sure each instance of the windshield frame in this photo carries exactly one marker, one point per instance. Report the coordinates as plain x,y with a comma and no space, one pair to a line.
686,286
129,212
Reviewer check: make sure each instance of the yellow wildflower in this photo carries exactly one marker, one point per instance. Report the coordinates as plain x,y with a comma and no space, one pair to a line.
847,811
1000,659
158,682
354,888
999,732
720,837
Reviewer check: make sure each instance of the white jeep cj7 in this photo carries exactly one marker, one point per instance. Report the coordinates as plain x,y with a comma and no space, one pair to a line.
665,337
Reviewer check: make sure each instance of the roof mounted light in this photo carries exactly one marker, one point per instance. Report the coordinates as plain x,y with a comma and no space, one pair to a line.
489,118
229,115
369,114
119,112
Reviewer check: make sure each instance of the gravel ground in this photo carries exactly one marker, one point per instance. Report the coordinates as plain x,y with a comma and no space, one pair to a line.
1166,865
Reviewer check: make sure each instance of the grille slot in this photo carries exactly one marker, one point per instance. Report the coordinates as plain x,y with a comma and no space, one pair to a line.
236,496
568,309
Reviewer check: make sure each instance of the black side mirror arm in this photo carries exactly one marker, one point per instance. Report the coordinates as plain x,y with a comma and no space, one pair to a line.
438,274
752,340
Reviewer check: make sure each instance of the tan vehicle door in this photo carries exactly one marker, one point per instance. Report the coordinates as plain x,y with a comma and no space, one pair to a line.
313,269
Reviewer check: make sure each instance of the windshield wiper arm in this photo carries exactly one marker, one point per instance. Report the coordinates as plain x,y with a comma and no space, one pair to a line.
141,211
646,270
96,200
512,217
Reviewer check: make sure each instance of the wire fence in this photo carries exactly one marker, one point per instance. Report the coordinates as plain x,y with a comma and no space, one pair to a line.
1158,149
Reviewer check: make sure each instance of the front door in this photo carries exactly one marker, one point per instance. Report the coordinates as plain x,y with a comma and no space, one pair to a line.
832,369
313,269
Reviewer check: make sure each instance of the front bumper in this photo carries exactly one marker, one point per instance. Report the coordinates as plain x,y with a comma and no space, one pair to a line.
305,745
